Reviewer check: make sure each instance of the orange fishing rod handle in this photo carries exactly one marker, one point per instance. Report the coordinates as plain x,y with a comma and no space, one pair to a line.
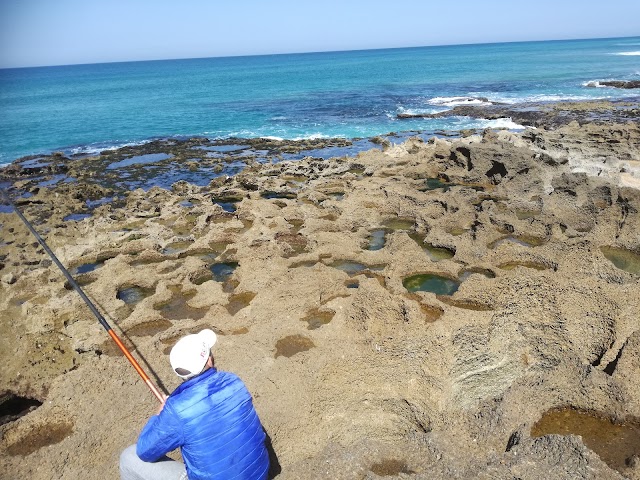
136,365
128,355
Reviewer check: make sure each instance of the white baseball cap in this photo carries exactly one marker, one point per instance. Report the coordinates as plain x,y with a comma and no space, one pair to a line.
189,356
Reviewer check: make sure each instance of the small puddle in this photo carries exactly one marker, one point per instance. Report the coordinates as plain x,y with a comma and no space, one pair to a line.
514,265
228,204
177,307
435,184
400,224
434,253
176,247
224,148
316,318
428,282
222,271
622,259
292,345
86,268
76,217
52,181
377,239
269,195
134,295
140,159
92,204
239,301
207,257
613,442
148,329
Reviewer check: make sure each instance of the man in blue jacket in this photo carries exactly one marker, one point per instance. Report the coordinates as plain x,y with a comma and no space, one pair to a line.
210,416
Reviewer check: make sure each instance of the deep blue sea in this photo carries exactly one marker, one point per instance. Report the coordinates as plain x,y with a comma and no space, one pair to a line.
87,108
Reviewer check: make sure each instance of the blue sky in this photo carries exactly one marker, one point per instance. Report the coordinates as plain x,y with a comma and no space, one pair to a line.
59,32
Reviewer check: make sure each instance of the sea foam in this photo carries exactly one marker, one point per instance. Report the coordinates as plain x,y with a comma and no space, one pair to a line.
506,122
414,111
456,101
542,97
96,148
593,84
271,137
631,54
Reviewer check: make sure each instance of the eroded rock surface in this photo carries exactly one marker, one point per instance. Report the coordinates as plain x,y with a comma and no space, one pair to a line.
387,382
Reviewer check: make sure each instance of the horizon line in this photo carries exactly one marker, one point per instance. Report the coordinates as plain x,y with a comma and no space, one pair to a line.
313,52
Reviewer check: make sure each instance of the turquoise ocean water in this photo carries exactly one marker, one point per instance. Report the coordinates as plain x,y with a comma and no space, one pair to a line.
87,108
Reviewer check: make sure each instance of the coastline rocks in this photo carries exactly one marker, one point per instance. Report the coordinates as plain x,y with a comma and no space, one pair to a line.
628,84
545,114
353,376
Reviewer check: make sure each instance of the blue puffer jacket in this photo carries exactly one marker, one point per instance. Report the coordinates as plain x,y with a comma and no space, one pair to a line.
212,418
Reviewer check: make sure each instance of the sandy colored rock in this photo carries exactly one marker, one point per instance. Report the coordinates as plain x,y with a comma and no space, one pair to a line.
387,382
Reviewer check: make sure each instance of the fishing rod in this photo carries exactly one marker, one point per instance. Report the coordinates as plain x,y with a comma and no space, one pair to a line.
90,304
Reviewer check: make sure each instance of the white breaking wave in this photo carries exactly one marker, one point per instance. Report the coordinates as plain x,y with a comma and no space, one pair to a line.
316,136
414,111
506,122
269,137
554,97
594,83
632,54
96,149
456,101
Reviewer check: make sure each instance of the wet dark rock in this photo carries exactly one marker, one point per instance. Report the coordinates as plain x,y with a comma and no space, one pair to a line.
545,114
628,84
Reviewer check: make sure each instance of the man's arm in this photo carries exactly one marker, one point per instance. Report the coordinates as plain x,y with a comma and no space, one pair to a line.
161,434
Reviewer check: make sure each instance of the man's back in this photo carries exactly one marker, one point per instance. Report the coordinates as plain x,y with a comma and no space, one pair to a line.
212,418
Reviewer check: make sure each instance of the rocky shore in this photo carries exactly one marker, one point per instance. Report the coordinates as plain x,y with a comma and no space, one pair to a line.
546,114
433,309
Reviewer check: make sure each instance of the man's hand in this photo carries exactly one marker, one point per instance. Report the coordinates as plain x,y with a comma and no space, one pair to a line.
164,400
